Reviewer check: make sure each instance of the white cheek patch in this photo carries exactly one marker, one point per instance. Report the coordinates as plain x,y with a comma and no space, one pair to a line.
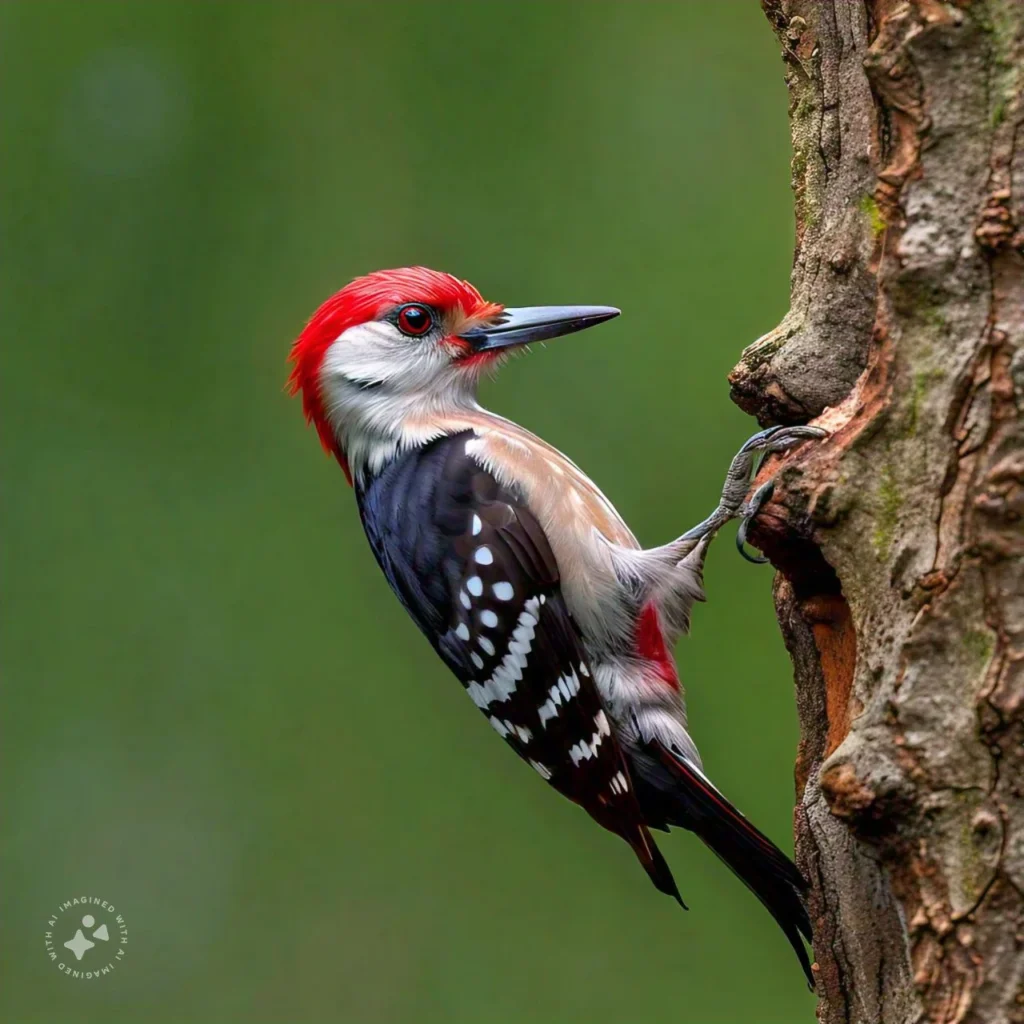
382,389
366,354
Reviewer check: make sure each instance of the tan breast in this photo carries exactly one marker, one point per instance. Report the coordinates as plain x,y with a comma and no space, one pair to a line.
568,505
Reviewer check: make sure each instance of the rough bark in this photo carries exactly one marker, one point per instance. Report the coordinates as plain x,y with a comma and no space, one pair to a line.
900,541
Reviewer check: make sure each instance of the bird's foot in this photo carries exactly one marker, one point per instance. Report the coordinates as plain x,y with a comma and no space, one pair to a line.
758,500
774,439
745,466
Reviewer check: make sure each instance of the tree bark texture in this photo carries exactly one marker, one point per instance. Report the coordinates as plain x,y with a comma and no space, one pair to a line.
899,540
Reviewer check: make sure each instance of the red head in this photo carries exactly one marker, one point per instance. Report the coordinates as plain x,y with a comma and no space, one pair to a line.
367,299
409,339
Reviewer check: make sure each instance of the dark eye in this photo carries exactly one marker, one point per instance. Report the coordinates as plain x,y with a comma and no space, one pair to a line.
414,320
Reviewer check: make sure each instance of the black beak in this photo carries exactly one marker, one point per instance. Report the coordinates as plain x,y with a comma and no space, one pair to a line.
535,323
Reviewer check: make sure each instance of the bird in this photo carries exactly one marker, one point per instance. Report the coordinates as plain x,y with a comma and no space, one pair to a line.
519,571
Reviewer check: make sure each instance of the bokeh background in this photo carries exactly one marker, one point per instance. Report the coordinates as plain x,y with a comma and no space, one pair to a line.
216,714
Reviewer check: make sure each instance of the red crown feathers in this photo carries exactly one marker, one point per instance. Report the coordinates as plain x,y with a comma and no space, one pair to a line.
362,300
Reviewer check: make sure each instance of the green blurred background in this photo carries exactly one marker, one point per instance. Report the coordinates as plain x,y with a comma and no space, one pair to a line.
217,716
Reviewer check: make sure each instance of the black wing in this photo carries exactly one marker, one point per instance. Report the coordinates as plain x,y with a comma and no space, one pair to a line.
475,571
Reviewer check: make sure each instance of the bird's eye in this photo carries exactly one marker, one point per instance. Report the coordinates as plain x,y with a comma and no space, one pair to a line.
414,320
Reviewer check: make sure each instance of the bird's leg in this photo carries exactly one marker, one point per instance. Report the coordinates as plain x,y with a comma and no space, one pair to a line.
744,467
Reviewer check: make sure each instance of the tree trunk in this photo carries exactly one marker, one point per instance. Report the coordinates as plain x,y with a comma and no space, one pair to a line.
899,540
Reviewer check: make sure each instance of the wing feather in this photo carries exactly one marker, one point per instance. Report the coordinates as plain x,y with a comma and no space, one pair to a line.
474,569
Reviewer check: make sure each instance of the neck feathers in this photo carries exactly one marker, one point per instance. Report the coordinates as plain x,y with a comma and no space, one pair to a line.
396,424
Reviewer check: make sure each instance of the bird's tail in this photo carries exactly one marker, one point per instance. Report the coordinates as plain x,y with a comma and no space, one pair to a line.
643,845
769,874
631,828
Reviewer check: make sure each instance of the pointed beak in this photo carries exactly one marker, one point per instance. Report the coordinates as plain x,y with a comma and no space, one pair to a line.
535,323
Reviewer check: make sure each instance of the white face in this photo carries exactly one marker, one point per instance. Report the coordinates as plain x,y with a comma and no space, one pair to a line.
375,375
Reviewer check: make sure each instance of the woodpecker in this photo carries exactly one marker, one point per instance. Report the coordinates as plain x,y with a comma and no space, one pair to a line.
518,570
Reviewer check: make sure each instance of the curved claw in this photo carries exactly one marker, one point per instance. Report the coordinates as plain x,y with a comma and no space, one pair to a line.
760,498
774,439
781,437
760,439
790,437
741,540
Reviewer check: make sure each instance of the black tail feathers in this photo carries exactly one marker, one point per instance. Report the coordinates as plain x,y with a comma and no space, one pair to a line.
654,863
753,857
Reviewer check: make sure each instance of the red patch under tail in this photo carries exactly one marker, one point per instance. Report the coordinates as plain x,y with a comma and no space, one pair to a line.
650,644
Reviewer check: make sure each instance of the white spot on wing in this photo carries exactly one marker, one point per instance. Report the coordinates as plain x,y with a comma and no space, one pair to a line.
547,711
542,770
603,729
483,555
464,599
503,591
580,752
565,687
619,783
485,644
477,525
489,619
583,751
475,586
463,631
502,683
561,693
